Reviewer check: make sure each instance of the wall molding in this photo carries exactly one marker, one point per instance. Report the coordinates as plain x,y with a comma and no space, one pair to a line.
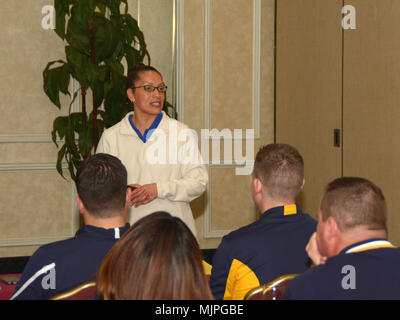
180,59
35,241
8,167
208,232
25,138
256,69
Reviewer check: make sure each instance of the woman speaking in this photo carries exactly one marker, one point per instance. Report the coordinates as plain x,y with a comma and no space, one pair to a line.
164,169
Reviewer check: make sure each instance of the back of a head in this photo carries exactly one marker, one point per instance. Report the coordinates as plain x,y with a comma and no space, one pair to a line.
280,168
158,258
354,202
101,185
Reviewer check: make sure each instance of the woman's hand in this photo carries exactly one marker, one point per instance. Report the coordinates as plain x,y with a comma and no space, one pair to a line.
143,194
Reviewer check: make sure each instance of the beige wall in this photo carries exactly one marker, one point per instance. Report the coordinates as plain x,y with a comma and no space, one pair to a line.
37,205
155,20
220,61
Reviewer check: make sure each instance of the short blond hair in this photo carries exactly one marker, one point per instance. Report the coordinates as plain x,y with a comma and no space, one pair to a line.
280,168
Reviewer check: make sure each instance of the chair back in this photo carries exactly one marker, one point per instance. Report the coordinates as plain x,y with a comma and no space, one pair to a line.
8,283
83,291
273,290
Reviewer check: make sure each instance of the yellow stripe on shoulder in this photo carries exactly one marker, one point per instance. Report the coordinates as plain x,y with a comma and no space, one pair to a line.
289,209
241,279
207,267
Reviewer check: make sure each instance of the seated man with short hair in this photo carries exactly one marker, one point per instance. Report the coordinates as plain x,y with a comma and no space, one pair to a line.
101,184
275,244
358,262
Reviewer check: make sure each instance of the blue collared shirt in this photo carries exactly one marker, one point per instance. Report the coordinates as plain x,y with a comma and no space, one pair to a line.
149,131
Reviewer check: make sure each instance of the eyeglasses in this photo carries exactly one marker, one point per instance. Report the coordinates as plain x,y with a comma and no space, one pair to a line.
150,88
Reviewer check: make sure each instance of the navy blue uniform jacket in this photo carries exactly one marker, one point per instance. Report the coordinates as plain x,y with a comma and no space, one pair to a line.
62,265
262,251
373,273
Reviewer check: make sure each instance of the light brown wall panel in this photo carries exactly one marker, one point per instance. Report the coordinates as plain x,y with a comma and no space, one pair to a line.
155,19
219,93
308,89
371,100
25,50
231,202
35,204
231,29
27,153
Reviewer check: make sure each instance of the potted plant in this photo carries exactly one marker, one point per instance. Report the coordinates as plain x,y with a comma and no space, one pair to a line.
99,39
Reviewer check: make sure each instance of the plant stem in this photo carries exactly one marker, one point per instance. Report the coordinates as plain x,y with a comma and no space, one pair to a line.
93,60
83,93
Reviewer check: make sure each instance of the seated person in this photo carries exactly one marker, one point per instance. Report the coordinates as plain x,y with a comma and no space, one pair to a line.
275,244
357,260
158,258
101,184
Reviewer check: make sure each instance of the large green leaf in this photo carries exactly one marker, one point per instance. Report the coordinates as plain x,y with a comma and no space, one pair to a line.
132,56
98,93
60,157
79,13
79,64
61,11
115,66
60,125
116,106
70,139
78,36
106,38
56,80
113,5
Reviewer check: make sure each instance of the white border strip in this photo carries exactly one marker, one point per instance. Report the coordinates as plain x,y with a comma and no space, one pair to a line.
208,232
25,138
33,278
29,167
180,60
138,14
33,241
256,67
207,64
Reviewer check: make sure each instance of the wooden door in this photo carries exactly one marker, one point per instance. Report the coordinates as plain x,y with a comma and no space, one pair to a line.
371,118
309,89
